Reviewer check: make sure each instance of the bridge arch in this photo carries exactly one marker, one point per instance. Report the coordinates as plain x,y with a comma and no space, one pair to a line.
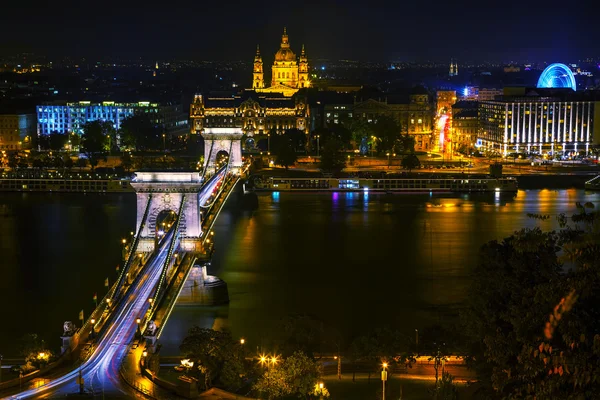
228,140
557,76
167,192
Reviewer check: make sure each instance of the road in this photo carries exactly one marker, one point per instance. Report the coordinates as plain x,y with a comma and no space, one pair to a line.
101,370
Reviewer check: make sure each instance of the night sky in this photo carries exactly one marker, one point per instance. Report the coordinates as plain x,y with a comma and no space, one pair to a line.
369,30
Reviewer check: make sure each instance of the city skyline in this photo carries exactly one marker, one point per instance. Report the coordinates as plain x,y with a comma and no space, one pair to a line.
329,30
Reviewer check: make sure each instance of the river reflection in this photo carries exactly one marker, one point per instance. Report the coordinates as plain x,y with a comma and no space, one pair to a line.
356,260
353,260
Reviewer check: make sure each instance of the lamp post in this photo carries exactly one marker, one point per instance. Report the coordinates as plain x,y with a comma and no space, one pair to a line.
139,332
383,379
124,251
164,143
321,390
268,141
339,366
93,322
318,145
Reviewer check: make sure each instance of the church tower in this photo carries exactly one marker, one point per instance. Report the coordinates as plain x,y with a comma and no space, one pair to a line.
303,80
285,66
453,68
258,81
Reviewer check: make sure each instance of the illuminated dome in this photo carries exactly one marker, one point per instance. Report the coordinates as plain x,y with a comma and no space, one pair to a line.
285,54
557,76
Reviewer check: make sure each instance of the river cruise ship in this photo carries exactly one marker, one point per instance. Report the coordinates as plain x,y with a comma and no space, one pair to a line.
408,185
27,184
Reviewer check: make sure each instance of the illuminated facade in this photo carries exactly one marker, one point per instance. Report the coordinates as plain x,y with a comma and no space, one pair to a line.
444,101
255,113
557,76
288,74
414,113
540,121
16,130
465,125
70,117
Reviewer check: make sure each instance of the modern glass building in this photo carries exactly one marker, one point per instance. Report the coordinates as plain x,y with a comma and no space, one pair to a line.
70,117
540,121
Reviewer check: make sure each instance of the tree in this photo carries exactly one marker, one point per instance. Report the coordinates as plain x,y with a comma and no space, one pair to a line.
405,144
387,132
302,333
446,389
126,161
297,139
57,141
35,351
81,163
43,142
285,154
68,163
94,141
13,160
218,358
332,158
532,319
382,345
360,129
410,161
297,376
140,133
75,140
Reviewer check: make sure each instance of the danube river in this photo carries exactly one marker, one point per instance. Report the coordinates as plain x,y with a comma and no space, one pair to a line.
353,260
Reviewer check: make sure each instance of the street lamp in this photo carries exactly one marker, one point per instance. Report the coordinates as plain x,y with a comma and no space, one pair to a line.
318,146
124,242
383,379
139,332
93,321
388,156
164,143
339,366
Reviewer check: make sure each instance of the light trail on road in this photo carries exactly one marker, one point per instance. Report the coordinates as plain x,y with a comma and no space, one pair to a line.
113,344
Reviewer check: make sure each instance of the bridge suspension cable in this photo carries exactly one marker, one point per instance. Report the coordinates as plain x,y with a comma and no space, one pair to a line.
212,144
132,253
224,176
169,254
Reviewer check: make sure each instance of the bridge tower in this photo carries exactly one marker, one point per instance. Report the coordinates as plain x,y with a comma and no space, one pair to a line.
226,139
223,140
175,192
